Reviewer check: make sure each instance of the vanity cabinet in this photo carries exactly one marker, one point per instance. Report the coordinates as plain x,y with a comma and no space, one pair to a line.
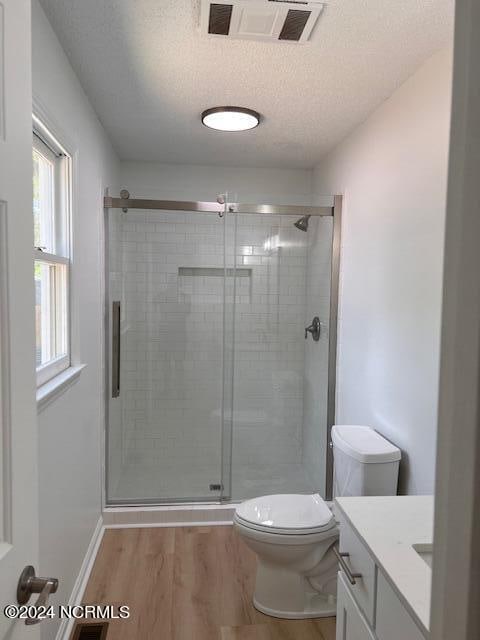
392,620
367,606
359,561
351,624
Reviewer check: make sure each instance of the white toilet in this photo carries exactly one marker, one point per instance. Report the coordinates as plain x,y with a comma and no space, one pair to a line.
293,534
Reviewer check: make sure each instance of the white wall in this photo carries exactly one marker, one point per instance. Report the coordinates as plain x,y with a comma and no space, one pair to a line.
204,182
392,171
70,427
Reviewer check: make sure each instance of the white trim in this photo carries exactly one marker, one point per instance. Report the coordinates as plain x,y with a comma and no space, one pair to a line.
66,625
43,121
52,369
56,335
6,534
456,553
52,389
50,258
178,506
46,137
170,515
169,525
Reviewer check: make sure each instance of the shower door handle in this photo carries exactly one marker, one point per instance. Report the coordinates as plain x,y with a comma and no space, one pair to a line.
115,349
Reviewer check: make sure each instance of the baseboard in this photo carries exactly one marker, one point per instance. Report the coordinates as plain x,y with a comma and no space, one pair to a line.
169,516
66,625
152,525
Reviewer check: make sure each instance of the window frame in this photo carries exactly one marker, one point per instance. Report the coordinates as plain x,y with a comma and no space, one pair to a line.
47,145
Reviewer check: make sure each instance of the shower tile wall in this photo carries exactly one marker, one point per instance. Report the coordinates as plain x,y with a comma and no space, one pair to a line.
172,293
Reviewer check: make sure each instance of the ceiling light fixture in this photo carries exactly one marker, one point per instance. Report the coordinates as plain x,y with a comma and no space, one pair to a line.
230,118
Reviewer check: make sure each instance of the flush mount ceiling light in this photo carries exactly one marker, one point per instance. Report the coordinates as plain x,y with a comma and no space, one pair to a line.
230,118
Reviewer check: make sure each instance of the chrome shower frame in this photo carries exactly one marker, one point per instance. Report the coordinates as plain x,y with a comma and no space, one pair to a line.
124,203
214,207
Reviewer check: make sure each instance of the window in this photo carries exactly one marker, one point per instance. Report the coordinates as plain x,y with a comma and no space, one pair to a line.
51,217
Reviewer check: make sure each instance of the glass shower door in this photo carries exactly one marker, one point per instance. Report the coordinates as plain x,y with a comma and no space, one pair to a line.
167,435
280,382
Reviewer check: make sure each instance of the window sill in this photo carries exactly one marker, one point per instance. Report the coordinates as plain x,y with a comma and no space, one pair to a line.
54,388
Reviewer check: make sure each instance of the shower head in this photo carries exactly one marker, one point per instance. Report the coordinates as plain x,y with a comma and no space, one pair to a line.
302,223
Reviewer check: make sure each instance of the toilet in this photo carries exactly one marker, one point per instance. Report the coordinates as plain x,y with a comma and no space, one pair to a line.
293,534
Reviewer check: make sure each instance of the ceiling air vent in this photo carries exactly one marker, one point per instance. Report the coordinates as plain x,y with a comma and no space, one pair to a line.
219,19
265,20
294,25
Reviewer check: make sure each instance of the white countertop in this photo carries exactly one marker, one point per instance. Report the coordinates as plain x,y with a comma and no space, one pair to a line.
389,526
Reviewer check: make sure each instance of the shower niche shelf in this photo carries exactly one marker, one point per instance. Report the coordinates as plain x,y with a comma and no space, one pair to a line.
205,285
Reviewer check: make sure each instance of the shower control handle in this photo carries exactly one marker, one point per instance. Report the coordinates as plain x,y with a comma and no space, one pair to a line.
314,329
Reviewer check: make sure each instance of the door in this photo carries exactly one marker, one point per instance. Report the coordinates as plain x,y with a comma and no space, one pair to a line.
280,371
18,459
456,557
170,301
351,625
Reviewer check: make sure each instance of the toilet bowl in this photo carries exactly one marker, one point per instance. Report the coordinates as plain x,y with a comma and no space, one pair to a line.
293,534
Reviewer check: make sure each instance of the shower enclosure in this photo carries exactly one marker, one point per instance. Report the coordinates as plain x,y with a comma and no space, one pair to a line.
220,383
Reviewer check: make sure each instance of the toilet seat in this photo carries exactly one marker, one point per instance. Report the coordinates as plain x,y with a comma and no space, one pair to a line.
286,514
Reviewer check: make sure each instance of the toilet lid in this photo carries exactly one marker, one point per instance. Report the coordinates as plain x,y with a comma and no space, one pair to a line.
286,513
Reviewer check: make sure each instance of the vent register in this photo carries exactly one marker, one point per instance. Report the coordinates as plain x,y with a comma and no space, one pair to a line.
264,20
90,631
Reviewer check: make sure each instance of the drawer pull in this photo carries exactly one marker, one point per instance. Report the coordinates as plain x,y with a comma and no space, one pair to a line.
346,569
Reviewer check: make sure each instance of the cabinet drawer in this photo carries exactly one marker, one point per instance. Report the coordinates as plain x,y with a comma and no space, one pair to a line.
359,561
393,621
351,625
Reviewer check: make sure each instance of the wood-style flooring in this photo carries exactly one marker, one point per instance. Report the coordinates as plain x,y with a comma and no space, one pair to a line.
187,583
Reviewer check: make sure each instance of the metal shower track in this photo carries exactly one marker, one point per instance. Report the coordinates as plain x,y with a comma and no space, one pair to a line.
213,207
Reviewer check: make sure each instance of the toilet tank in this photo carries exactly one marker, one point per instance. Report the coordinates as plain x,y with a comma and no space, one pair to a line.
365,464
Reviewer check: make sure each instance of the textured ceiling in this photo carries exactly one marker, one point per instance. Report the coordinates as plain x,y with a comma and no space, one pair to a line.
149,73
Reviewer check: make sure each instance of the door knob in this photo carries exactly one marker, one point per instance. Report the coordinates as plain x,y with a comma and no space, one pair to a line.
314,329
30,583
